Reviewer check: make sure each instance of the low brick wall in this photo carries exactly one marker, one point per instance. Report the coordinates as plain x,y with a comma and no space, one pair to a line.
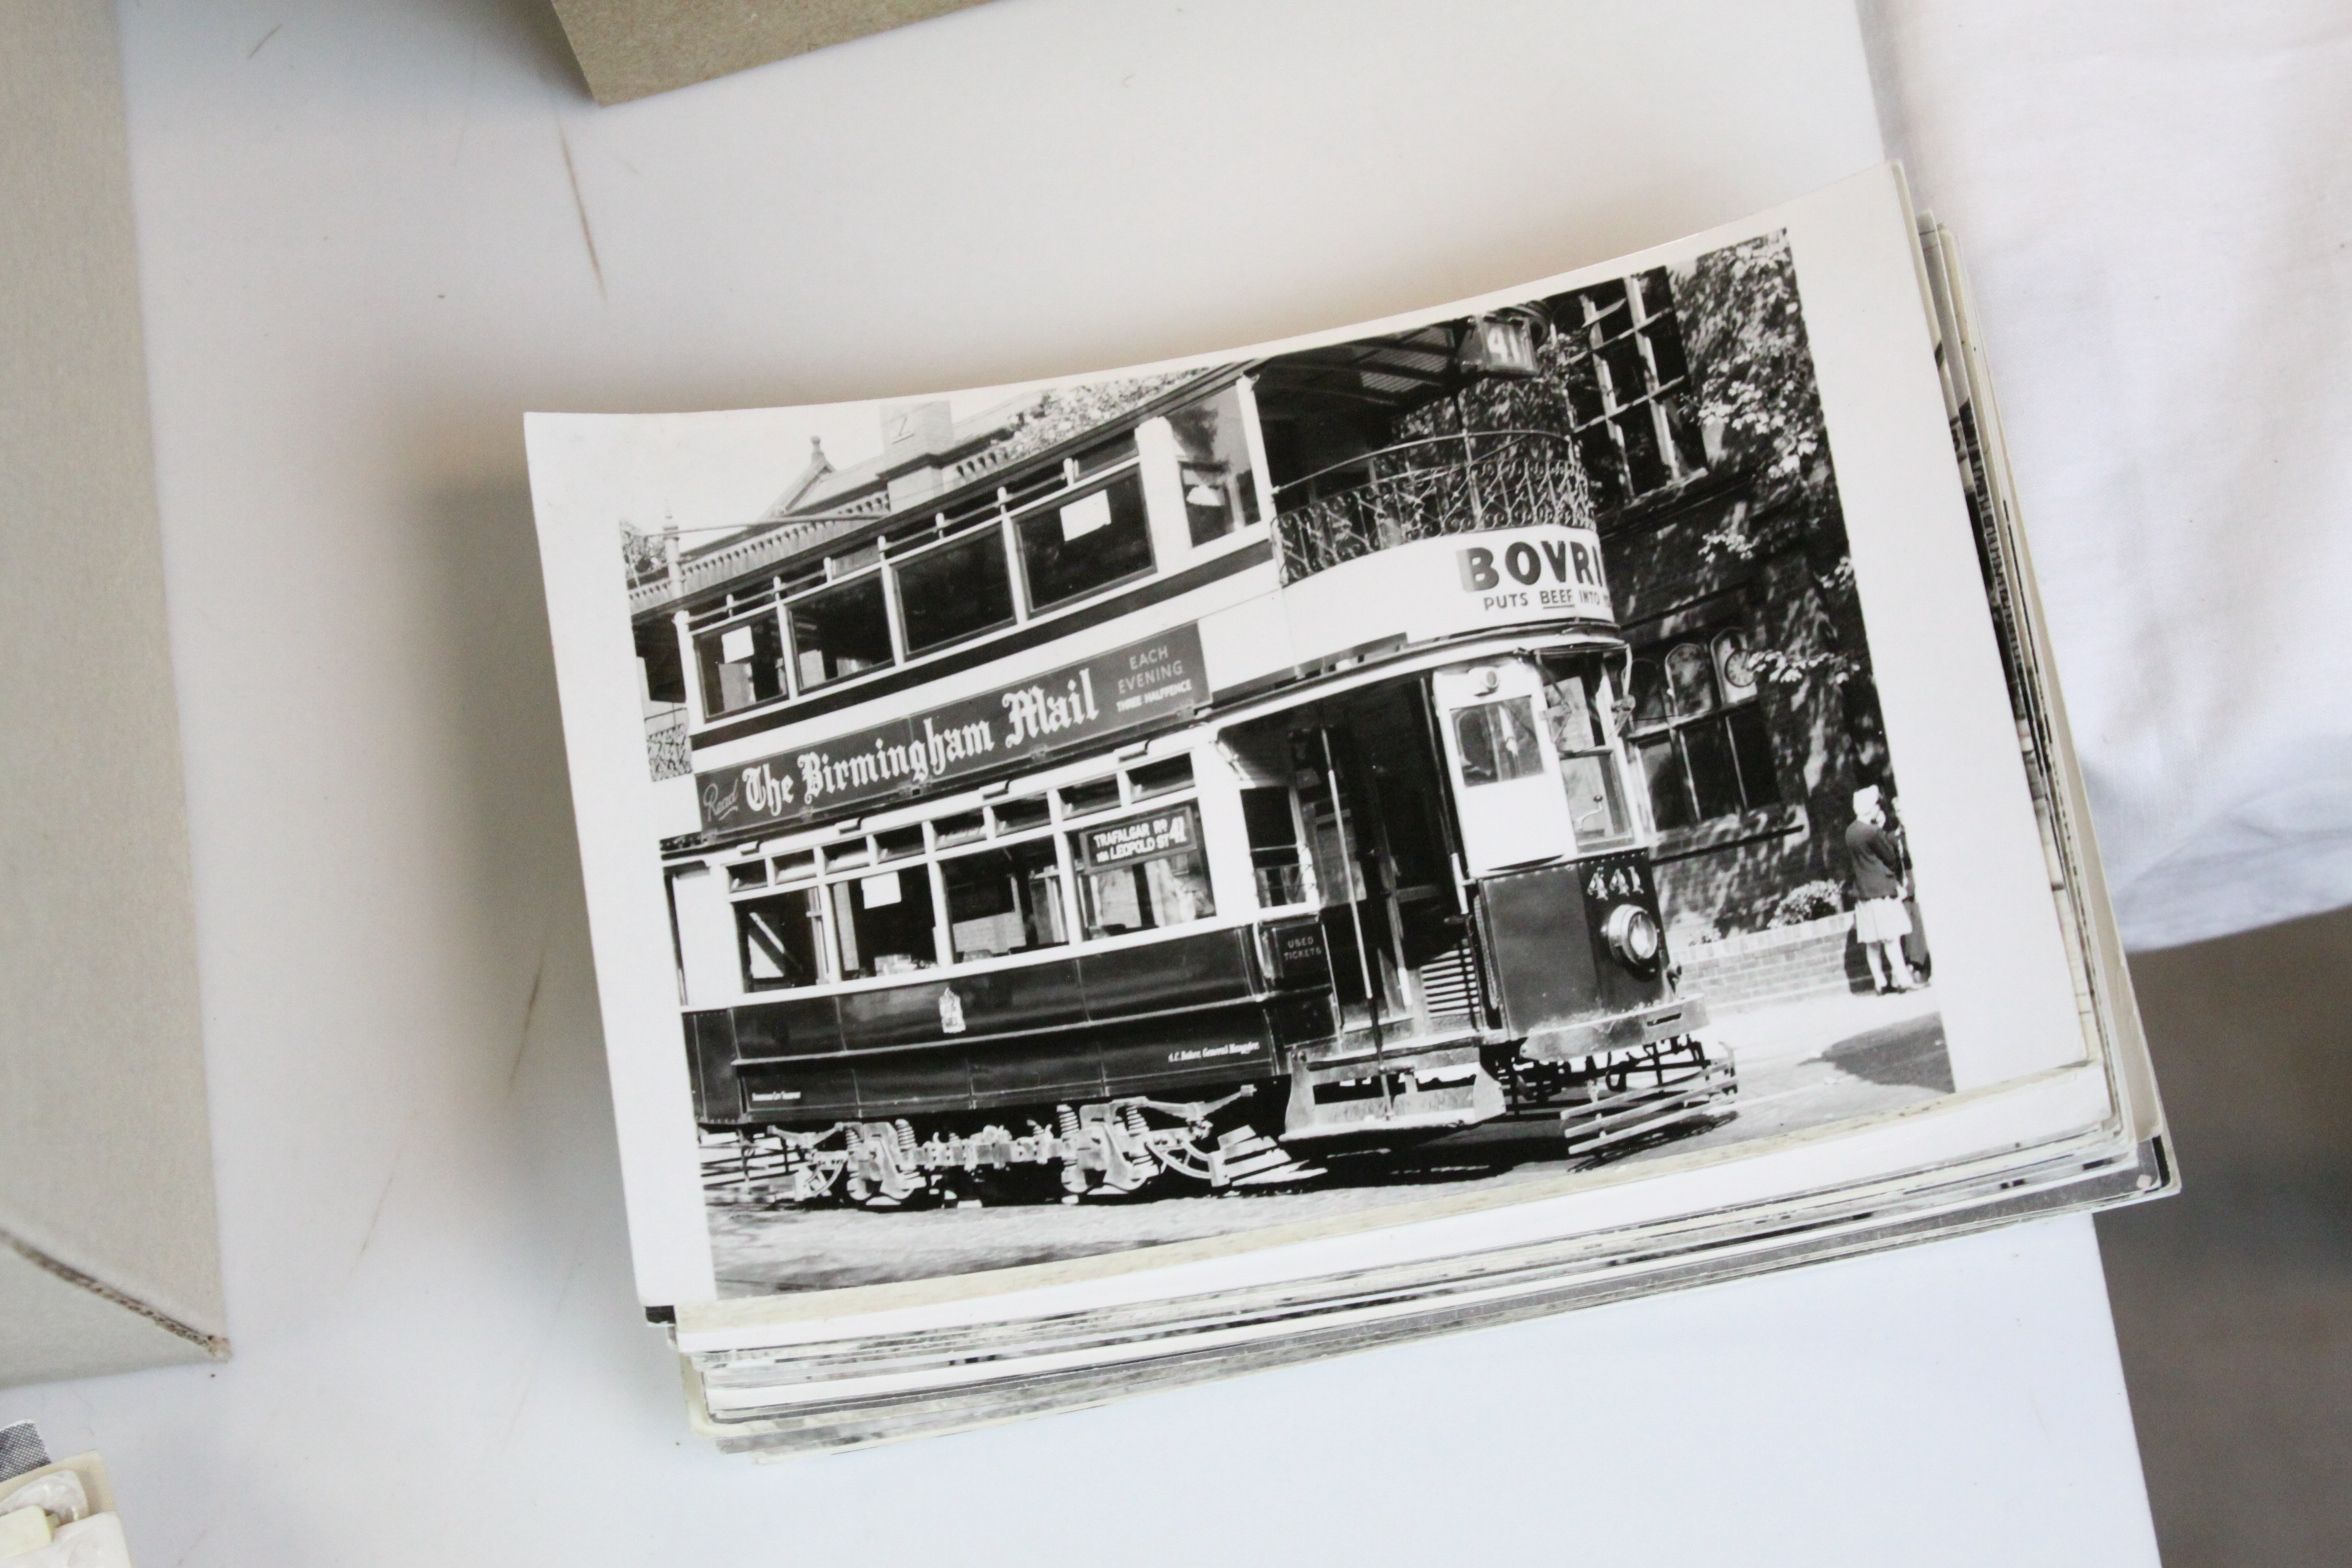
1817,958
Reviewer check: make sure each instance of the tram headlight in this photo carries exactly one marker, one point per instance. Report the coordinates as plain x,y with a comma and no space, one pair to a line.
1632,934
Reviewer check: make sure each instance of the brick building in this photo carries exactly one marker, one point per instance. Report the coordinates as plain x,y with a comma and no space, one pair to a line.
1691,392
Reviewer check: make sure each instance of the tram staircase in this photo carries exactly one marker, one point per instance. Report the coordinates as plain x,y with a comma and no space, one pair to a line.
1436,1082
1449,983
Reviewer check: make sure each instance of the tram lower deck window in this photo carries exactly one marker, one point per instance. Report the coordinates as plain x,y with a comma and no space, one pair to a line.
1276,857
1094,795
1142,874
777,939
899,843
1017,816
885,923
964,827
1159,778
1003,901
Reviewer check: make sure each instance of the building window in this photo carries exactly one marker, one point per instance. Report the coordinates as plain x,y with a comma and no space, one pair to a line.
1213,461
1497,741
777,938
1100,538
886,923
1629,399
1006,900
1705,751
1142,874
1277,858
742,664
840,631
954,591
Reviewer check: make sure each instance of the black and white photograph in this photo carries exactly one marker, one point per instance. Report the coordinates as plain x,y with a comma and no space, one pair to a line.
1103,881
1151,807
1266,759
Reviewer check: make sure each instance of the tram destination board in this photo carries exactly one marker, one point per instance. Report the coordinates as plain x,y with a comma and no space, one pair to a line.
1144,838
1148,682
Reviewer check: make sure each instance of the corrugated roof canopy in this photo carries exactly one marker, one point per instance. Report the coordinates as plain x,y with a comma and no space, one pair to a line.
1390,373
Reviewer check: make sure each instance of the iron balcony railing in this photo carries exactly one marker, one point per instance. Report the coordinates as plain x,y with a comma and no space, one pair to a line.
666,750
1422,489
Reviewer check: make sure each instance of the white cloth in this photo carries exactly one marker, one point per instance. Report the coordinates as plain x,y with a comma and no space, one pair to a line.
2154,202
1881,920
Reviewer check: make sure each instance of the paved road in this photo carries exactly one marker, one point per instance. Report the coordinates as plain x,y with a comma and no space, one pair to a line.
1800,1066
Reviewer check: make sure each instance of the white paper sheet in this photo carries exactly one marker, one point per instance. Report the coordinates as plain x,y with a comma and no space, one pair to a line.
2155,205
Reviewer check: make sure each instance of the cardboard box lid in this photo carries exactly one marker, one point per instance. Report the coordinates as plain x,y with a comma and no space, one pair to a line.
629,48
108,1248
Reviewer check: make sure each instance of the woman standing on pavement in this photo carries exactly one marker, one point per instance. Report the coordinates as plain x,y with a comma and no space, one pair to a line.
1880,921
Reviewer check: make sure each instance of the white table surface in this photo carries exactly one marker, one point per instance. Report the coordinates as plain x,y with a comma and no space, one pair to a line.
366,236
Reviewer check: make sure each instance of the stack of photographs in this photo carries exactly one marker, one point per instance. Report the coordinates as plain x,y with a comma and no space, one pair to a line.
1108,883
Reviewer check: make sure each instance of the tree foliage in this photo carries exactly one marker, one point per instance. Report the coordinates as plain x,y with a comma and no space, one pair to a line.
1746,331
1757,398
1063,412
644,556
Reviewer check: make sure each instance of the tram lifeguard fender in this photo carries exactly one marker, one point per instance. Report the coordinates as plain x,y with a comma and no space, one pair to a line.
1559,985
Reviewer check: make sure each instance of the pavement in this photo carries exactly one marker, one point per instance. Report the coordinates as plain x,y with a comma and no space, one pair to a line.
1802,1064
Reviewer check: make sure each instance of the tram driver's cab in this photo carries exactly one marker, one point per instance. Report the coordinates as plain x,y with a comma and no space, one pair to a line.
1538,776
1488,902
1557,850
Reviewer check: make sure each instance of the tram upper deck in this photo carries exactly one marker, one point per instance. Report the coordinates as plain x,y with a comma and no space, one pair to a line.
1066,643
1218,488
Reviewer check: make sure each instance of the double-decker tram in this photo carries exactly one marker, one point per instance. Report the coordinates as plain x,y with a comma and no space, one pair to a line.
1234,780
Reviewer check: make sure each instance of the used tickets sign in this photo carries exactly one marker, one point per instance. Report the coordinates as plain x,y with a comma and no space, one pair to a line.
1141,683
